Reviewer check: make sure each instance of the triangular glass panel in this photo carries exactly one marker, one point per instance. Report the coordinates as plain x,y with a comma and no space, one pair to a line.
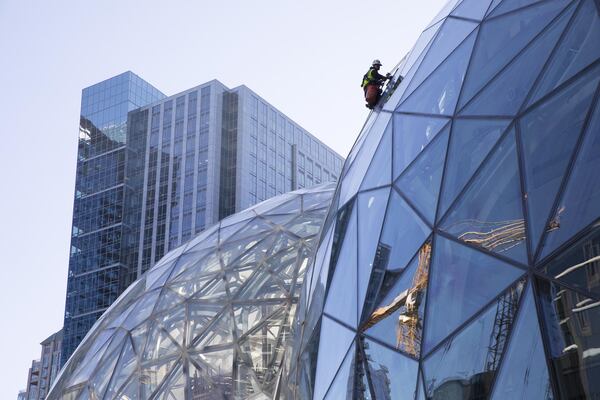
168,299
510,5
131,390
174,388
159,345
524,374
380,170
142,310
342,386
371,209
443,12
398,317
351,182
462,281
470,142
489,214
578,49
250,317
101,377
420,389
392,374
412,133
438,94
204,380
549,134
292,206
420,182
464,367
505,94
474,9
410,67
213,370
218,332
569,325
501,38
449,37
128,364
579,264
403,233
313,201
152,375
341,300
580,202
337,338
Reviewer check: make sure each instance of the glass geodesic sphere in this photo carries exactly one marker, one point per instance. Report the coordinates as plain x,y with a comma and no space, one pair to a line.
211,319
461,256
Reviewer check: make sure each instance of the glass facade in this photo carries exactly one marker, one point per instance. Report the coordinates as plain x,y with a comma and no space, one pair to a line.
460,257
203,162
99,262
153,172
212,319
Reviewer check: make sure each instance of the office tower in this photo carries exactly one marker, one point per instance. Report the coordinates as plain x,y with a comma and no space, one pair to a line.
464,257
153,171
43,372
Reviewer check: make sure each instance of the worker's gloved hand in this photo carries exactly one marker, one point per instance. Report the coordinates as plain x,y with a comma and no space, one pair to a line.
388,75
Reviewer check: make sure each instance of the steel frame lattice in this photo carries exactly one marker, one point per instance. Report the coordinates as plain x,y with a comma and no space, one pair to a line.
212,318
462,249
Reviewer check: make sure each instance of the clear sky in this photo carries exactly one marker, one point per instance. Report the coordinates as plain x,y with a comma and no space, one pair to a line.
305,57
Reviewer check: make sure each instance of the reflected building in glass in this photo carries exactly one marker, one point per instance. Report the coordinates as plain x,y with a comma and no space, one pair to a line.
460,258
153,171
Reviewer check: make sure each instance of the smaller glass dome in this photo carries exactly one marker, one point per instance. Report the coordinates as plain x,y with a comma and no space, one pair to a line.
212,318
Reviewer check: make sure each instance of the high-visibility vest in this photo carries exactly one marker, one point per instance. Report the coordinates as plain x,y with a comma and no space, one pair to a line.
368,78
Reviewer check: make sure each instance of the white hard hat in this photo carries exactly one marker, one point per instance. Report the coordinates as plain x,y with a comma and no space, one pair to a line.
376,62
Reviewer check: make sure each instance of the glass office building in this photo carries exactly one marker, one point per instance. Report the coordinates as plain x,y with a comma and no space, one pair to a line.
153,171
461,256
102,233
212,319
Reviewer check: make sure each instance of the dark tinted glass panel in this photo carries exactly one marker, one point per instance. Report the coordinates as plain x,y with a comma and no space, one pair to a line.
411,135
549,134
392,375
462,282
341,298
464,367
506,93
397,318
337,339
510,5
470,141
343,384
439,92
580,204
403,233
572,330
474,9
421,181
577,49
371,209
489,214
354,177
450,35
380,170
524,374
501,39
579,265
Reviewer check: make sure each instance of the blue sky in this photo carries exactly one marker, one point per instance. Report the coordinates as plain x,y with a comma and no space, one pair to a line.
305,57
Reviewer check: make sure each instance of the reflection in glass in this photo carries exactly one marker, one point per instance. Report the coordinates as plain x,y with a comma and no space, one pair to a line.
398,318
464,366
489,214
572,329
579,265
